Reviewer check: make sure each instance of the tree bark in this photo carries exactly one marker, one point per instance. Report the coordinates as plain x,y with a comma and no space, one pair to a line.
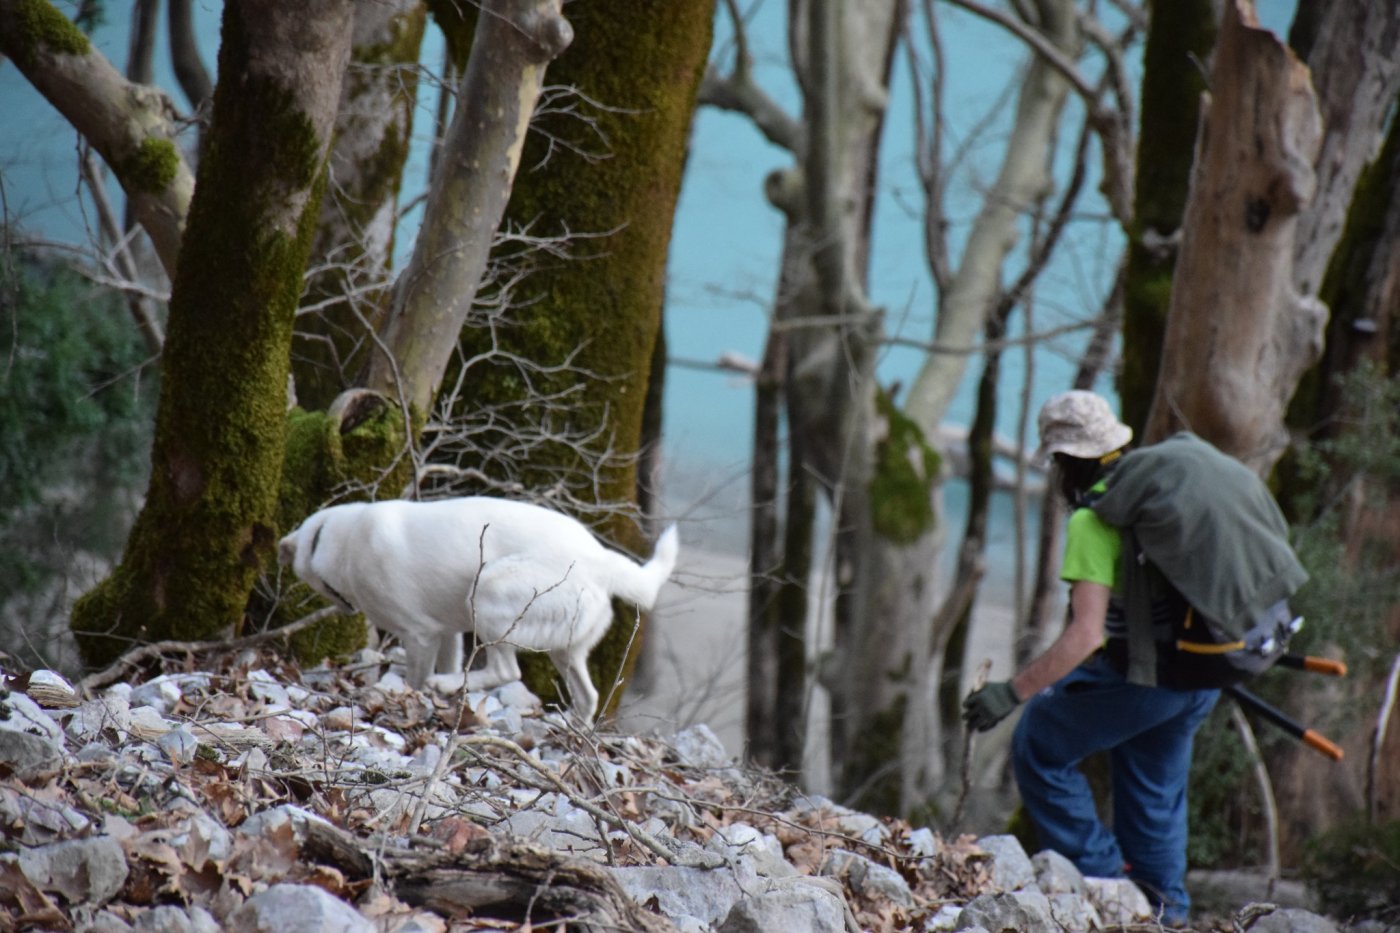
184,56
842,55
1179,39
1239,334
130,125
1362,287
207,522
1354,58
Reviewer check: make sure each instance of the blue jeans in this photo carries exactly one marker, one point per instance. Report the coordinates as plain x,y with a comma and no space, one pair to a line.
1148,733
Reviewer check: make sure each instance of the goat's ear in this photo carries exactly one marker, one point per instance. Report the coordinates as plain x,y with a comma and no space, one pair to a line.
287,550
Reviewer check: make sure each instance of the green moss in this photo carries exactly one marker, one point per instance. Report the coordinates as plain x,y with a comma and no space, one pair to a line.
321,463
906,468
407,29
44,29
153,166
334,639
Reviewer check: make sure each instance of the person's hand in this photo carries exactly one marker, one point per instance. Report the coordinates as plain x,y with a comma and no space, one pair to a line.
988,706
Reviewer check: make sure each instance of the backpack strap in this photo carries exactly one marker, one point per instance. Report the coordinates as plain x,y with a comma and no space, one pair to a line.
1137,609
1205,647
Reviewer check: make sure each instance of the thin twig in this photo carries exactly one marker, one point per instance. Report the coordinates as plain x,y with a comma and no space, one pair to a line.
1392,687
1266,791
983,670
155,649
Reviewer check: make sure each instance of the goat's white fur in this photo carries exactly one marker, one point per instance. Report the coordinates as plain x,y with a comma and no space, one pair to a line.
518,575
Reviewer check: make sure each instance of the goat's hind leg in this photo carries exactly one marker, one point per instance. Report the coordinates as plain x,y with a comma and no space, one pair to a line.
583,696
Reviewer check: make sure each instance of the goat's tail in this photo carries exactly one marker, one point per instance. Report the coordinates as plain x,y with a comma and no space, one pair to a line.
639,584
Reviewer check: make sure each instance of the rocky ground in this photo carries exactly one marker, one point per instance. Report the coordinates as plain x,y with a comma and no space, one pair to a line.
250,796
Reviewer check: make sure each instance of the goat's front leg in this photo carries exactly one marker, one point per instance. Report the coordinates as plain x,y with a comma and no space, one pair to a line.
501,668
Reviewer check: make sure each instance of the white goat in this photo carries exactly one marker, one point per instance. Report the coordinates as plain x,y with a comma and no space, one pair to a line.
518,575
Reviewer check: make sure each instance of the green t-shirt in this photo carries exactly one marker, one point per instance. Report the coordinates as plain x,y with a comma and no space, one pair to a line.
1092,548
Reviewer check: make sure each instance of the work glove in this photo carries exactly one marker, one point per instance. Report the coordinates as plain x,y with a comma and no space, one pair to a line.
988,706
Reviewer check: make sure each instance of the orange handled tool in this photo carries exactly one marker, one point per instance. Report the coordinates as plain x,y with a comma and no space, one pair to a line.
1315,665
1314,740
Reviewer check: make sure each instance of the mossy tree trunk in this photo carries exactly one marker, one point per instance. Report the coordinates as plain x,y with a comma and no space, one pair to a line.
347,286
606,165
969,293
208,519
1180,37
365,444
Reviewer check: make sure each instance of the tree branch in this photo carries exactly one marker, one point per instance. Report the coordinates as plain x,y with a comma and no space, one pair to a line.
131,125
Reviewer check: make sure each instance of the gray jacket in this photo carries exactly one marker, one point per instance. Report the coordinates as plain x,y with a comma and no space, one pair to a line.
1210,526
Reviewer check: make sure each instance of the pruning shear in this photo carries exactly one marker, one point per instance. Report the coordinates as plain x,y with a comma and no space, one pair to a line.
1310,738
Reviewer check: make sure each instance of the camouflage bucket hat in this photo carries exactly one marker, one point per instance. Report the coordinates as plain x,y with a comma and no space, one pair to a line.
1079,424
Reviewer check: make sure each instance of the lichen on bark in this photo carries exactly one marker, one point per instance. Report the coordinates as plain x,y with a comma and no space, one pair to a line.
906,470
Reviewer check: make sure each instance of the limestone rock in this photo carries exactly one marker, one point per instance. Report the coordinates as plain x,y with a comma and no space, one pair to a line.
302,908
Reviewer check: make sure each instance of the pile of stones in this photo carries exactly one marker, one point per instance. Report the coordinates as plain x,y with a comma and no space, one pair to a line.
259,797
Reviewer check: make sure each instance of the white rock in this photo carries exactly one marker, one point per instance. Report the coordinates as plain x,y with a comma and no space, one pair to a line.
1011,867
425,760
263,686
179,745
1118,900
1074,912
392,683
1055,874
341,719
923,843
742,843
85,871
102,715
699,747
21,714
159,693
169,919
515,695
791,908
679,893
314,910
945,921
876,882
1023,911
